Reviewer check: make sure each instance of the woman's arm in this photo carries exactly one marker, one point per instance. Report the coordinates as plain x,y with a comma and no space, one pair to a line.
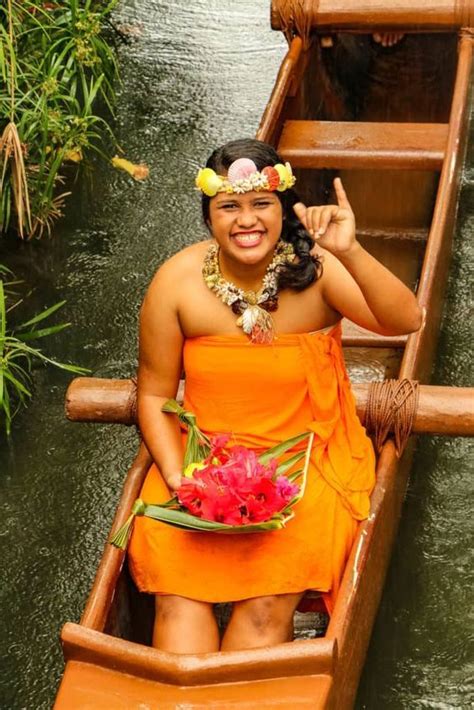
159,370
354,283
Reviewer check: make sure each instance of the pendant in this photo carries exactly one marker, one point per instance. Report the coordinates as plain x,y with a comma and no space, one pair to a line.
257,323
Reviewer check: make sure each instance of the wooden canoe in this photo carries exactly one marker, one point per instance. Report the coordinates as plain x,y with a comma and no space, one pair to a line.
393,124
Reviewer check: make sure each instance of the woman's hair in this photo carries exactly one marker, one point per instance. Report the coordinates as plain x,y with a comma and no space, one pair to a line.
307,269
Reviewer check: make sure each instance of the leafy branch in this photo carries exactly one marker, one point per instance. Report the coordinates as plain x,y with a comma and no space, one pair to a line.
17,355
56,67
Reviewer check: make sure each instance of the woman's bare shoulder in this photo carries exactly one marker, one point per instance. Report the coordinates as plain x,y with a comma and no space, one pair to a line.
181,265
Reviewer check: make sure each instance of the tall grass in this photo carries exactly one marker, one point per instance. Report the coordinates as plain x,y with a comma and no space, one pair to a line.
17,352
56,68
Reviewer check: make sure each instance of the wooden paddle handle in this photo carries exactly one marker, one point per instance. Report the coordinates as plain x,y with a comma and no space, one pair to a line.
441,410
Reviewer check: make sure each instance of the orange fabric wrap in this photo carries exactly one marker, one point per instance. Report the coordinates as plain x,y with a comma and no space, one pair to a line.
261,395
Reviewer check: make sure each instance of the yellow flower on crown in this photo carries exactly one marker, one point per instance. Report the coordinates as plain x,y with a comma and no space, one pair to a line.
287,179
209,182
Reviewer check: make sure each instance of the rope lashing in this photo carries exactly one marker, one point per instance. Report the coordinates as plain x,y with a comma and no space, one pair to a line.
295,18
391,406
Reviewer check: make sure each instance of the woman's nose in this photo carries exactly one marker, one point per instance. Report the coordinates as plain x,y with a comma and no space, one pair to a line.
246,217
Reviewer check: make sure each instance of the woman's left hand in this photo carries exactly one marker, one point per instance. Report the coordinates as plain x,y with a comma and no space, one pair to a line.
331,226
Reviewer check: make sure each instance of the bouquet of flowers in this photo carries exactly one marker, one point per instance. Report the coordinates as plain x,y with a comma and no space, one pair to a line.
228,489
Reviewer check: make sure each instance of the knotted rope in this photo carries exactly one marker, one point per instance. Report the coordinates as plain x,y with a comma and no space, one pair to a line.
391,406
295,18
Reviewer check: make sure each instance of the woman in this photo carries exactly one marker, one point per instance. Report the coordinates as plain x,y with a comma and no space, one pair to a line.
253,315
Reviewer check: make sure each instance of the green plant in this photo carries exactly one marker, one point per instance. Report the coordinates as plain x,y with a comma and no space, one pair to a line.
17,355
56,66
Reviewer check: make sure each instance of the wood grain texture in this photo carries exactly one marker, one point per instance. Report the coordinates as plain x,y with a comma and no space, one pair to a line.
441,410
415,15
332,144
306,657
98,688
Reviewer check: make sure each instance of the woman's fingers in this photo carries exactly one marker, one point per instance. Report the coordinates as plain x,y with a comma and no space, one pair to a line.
327,213
316,220
341,196
301,211
308,216
314,217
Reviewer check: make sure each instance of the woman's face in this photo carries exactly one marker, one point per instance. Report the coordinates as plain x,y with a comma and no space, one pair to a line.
246,227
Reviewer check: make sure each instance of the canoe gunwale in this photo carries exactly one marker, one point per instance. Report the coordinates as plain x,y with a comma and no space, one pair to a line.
281,91
359,595
100,598
308,657
438,247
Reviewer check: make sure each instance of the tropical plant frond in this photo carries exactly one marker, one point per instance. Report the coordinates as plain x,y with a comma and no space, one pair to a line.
17,355
11,154
56,65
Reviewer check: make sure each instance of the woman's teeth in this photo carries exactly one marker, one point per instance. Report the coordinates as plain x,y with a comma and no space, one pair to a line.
247,239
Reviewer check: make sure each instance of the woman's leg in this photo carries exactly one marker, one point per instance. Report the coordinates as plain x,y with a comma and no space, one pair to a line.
184,625
263,621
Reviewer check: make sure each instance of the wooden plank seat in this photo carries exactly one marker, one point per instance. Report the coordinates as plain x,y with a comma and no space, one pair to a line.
348,145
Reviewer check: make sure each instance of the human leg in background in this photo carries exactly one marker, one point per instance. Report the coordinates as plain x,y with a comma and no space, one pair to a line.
387,39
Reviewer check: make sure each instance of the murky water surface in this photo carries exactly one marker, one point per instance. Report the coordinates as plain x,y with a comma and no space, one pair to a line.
196,74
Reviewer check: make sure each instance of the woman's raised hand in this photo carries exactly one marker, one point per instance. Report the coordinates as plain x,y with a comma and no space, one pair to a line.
331,226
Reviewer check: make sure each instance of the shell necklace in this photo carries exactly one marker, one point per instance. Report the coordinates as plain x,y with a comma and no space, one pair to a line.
252,307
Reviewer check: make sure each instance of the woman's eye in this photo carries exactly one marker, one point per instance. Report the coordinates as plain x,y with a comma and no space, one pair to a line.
228,206
262,204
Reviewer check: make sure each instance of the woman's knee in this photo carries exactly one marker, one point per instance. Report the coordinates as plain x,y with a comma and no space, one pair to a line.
266,614
170,606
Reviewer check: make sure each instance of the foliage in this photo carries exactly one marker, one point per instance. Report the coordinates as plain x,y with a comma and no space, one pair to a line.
55,65
17,355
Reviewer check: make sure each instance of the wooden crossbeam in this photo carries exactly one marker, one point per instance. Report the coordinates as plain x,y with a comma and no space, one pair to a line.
350,145
367,15
441,410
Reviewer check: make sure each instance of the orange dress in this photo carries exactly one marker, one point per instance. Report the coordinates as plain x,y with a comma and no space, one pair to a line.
261,395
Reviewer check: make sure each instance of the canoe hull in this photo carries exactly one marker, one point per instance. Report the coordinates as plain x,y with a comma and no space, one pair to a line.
108,660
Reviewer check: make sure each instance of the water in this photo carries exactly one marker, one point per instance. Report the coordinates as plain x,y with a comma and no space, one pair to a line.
195,74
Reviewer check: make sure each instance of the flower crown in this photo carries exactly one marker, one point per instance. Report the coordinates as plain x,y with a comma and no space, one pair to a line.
243,176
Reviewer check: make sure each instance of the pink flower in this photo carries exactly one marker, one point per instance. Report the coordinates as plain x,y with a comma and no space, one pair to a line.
190,494
285,488
234,488
218,444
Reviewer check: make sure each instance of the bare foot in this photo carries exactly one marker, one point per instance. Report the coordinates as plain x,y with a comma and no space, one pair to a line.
387,39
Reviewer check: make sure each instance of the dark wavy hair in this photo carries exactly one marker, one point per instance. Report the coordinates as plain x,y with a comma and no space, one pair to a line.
306,269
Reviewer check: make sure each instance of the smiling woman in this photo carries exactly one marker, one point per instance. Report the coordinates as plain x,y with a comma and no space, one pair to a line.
261,274
297,274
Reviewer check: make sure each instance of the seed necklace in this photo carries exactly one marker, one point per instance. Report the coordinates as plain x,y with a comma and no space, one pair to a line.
252,307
